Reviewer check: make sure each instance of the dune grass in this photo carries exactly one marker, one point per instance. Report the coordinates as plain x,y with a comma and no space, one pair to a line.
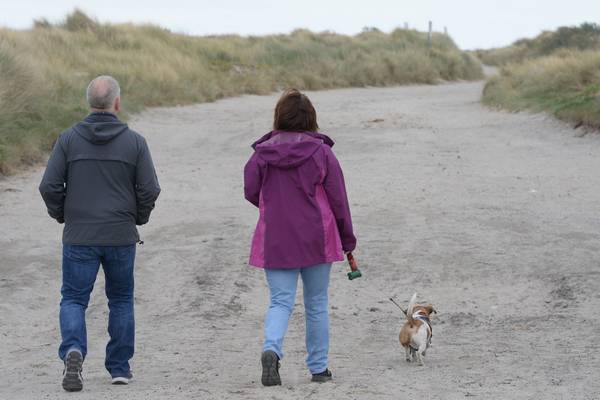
557,72
44,71
575,38
566,85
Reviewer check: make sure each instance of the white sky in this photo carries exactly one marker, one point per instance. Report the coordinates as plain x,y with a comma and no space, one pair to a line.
472,23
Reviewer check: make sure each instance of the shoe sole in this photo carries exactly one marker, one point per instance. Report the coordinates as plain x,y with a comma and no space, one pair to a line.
270,374
72,381
321,379
122,380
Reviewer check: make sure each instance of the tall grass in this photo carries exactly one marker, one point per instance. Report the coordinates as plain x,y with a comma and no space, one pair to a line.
558,72
583,37
44,70
566,84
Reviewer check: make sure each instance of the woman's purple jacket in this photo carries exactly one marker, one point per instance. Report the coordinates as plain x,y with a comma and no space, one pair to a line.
304,217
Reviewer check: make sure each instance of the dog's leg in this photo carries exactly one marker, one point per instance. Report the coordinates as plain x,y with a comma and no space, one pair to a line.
421,354
420,361
421,341
419,358
407,350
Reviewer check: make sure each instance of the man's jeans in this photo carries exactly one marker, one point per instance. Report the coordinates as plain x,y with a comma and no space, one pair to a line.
282,285
80,267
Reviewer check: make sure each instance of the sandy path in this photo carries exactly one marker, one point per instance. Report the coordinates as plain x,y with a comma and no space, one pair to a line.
493,217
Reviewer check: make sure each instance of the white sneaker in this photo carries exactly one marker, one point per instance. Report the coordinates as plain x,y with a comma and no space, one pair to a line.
122,380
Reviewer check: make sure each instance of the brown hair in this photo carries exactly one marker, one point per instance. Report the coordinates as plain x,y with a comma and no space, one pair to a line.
294,112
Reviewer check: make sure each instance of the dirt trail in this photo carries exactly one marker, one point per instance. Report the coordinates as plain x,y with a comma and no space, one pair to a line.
492,217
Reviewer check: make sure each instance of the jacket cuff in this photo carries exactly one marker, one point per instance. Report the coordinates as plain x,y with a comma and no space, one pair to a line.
349,246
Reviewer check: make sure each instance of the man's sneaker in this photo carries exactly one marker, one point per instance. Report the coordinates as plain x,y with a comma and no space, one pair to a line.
270,368
122,380
72,380
322,376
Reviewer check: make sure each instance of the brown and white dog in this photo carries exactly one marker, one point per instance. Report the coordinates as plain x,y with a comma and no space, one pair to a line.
415,335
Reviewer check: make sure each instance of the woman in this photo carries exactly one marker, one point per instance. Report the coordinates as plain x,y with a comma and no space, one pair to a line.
304,225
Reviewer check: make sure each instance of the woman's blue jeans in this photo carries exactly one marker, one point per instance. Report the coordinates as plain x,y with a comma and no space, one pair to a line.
79,269
282,286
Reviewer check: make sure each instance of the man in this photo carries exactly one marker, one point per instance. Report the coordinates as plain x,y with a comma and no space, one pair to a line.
100,182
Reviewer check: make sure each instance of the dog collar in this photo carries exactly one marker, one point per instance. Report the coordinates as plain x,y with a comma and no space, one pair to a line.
424,319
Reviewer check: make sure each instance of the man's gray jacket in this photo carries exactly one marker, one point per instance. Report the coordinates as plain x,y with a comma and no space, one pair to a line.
100,181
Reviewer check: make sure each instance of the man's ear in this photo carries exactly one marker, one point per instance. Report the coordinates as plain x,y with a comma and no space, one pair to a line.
117,104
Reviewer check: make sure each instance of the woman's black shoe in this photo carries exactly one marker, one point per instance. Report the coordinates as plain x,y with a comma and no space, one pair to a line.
324,376
270,366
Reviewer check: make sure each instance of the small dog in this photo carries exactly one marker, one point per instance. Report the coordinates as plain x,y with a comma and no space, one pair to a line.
415,335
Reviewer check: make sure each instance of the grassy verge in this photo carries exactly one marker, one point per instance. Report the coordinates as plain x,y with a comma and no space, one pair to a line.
557,72
566,85
44,70
575,38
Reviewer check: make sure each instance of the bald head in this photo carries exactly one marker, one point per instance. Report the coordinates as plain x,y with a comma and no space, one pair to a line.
103,94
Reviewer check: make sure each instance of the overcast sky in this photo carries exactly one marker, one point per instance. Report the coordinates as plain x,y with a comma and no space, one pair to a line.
472,23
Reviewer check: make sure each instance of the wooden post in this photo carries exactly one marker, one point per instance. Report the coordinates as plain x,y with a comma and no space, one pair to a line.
429,35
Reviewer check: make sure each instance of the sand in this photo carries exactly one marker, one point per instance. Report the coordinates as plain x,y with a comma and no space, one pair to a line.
492,217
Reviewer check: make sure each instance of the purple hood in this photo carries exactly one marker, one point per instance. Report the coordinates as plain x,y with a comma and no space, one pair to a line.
289,149
326,139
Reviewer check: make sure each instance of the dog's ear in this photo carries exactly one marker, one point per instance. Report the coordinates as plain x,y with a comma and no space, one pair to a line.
430,309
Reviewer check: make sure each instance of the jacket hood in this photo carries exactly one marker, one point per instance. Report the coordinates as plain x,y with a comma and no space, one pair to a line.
289,149
326,139
100,128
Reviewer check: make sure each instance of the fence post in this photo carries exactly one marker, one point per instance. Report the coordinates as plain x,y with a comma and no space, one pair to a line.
429,35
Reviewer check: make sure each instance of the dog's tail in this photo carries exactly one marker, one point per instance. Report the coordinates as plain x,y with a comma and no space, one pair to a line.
409,309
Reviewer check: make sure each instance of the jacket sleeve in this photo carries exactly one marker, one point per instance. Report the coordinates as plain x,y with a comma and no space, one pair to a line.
252,180
335,188
146,184
52,188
